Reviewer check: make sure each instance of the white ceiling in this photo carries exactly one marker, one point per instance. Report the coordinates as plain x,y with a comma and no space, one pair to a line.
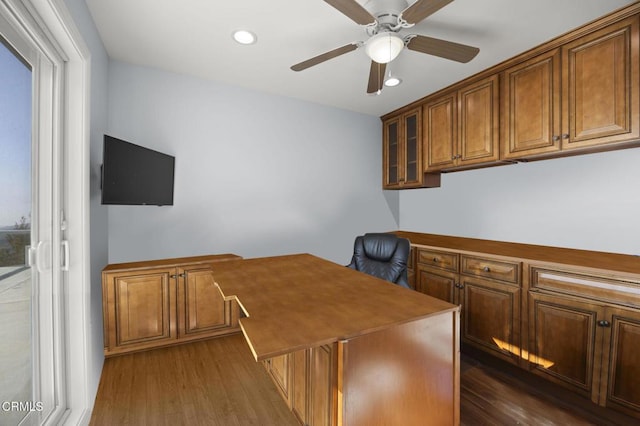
194,37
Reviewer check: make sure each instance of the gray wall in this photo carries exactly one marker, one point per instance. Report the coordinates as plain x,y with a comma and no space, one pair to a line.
256,174
588,202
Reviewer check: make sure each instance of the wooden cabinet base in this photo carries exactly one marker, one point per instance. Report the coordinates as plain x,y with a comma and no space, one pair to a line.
166,302
363,381
571,317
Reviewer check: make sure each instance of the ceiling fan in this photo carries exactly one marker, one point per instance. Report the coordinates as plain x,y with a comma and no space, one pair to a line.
383,20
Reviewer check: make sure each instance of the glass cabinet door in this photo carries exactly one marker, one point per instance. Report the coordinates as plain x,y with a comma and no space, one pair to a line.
403,150
392,153
412,141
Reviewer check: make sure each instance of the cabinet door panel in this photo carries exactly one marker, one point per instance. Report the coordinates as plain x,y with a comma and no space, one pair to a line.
205,309
623,390
144,308
279,369
440,284
478,122
565,342
392,154
412,139
299,385
441,139
600,86
322,401
531,99
491,319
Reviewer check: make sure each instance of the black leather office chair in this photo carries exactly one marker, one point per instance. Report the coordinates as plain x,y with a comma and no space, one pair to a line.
382,255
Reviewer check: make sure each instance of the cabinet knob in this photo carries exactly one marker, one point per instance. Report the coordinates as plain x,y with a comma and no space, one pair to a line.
604,323
435,259
486,269
555,138
565,136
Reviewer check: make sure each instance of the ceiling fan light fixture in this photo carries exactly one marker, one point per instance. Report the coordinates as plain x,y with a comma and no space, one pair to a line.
392,81
244,37
384,47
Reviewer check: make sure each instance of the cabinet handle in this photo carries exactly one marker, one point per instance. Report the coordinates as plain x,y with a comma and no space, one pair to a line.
565,136
486,269
604,323
555,138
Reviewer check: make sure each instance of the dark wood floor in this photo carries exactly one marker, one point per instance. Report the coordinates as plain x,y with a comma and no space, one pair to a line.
217,382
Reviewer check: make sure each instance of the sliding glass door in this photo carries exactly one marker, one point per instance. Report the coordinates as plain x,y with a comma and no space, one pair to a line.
31,362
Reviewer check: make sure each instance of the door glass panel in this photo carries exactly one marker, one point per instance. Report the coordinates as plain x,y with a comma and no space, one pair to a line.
411,129
392,135
16,382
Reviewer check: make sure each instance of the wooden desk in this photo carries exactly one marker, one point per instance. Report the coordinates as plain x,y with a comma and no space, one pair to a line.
395,352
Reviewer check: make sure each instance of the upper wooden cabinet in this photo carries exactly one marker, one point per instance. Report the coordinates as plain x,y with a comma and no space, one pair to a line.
578,93
531,106
600,86
583,94
402,156
462,127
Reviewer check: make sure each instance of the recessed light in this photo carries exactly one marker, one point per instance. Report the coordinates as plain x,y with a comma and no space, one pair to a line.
244,37
392,81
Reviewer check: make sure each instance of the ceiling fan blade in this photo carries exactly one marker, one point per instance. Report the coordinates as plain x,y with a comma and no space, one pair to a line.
353,10
376,77
443,48
423,8
324,57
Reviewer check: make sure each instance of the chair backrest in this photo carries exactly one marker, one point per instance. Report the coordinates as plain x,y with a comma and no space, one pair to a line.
382,255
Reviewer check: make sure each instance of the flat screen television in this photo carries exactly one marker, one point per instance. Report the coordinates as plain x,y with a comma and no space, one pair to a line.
134,175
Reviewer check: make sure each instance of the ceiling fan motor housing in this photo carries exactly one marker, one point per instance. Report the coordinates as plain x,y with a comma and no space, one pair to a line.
386,11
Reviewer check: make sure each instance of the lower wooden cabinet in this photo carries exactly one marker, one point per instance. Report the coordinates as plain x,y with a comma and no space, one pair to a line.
620,387
306,380
487,289
437,283
164,302
565,342
490,318
279,368
574,324
581,336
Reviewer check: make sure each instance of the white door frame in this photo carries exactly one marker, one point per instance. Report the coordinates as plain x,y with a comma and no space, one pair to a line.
50,23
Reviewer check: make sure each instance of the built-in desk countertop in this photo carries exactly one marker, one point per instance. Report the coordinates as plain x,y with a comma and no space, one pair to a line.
376,353
300,301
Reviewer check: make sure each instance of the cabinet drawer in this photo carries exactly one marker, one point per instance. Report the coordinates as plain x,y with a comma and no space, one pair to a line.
625,291
508,272
438,259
